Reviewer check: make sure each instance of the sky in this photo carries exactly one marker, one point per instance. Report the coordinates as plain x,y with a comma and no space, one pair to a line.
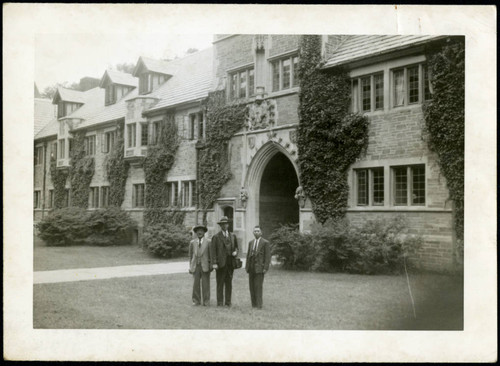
68,57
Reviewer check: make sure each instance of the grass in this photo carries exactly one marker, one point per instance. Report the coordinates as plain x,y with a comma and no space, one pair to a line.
47,258
292,300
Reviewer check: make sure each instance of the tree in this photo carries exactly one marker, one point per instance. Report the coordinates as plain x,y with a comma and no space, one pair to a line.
50,91
126,67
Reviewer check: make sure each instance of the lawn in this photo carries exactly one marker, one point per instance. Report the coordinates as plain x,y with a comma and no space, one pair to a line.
47,258
292,300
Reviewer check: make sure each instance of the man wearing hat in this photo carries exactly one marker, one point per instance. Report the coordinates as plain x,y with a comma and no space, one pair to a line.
200,265
224,249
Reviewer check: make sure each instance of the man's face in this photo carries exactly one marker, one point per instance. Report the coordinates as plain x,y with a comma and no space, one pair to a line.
200,233
224,226
257,233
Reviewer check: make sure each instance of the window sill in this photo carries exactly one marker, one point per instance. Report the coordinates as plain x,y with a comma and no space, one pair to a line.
281,93
396,209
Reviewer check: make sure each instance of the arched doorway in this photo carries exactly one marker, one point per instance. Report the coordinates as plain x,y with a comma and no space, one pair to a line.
277,204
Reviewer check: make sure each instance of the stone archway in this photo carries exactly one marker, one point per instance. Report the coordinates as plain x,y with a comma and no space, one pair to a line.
270,153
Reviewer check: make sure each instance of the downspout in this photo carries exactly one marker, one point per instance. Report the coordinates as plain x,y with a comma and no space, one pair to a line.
44,176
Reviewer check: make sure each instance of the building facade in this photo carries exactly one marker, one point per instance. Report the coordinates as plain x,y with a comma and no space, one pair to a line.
397,175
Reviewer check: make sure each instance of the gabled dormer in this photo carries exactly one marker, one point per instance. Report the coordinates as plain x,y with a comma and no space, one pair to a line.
152,73
117,85
67,101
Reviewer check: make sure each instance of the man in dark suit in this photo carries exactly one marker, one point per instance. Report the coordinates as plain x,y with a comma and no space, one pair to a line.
257,264
200,266
224,249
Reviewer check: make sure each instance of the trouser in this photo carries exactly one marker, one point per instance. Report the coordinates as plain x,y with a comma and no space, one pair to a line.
224,277
255,281
205,286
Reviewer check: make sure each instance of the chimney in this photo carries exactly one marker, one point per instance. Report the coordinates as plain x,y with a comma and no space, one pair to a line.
88,82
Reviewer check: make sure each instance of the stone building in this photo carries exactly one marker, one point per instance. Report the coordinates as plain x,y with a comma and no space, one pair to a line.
398,175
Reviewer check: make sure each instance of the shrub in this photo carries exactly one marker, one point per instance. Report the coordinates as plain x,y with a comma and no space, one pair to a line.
111,226
166,239
379,246
65,226
77,226
292,248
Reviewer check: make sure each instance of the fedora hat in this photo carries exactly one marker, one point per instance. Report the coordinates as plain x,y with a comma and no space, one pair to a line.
204,228
224,220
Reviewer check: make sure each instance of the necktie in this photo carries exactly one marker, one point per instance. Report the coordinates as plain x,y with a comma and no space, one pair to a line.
255,246
199,244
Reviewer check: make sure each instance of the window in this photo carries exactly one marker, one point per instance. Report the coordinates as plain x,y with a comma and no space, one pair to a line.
188,191
411,85
145,83
51,198
39,155
37,203
201,126
284,73
138,195
368,93
108,141
242,83
172,194
144,134
155,132
370,187
62,148
70,148
53,150
104,196
110,94
94,197
89,145
192,124
60,110
409,185
131,136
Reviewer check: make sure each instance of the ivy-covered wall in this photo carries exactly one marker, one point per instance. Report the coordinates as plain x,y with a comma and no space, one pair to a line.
59,178
117,169
81,171
330,138
158,162
223,120
445,122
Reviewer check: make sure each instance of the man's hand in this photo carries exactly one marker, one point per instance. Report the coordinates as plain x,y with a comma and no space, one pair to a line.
234,253
216,266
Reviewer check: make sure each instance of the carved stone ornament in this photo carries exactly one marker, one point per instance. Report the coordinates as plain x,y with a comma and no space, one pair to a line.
293,136
300,196
251,142
260,42
243,197
261,114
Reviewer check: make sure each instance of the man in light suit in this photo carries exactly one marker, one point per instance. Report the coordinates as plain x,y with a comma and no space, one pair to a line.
224,249
257,264
200,265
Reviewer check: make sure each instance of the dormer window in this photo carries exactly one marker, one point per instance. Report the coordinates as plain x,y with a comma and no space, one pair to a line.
110,94
66,108
149,81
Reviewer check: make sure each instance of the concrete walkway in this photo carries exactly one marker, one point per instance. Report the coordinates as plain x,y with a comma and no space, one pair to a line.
101,273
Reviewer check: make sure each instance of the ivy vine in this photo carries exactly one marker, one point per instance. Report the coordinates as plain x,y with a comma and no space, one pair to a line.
81,172
223,121
158,162
59,178
329,138
445,122
117,169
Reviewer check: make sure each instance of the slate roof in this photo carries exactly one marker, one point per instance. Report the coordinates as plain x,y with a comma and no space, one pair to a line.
50,129
118,77
356,47
68,95
159,66
45,112
192,81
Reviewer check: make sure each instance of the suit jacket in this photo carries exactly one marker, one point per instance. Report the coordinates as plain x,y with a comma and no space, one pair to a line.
262,257
206,260
219,251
